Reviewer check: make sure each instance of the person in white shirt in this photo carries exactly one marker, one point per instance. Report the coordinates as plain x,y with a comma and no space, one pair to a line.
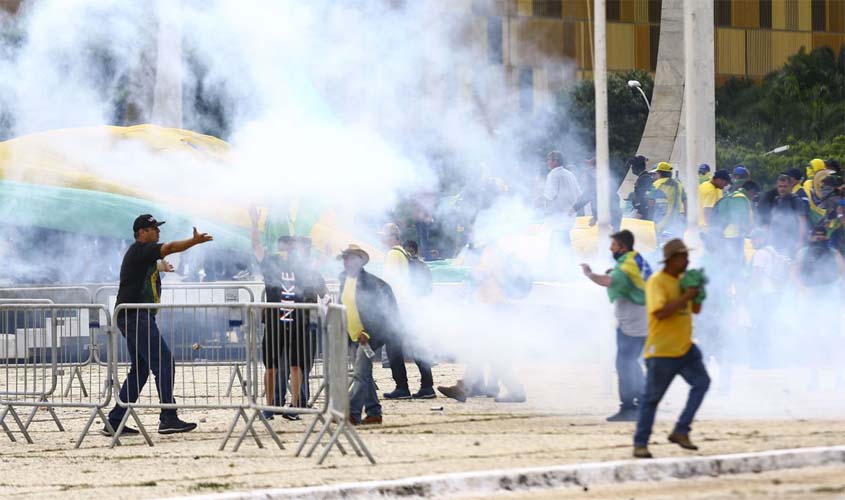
560,193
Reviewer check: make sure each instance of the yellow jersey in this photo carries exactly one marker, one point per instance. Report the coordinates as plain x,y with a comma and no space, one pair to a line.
670,337
354,326
708,195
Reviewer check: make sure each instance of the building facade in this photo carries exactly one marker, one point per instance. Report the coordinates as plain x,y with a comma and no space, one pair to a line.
531,39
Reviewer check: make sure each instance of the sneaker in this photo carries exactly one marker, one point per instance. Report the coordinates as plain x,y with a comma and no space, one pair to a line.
398,394
127,431
293,417
642,452
455,392
353,420
268,415
175,426
368,420
424,393
624,415
682,440
511,398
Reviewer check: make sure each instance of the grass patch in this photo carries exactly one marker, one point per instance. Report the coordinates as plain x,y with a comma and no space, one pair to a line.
147,484
829,489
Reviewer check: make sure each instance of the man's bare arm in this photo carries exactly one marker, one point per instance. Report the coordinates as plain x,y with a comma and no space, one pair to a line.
676,305
182,245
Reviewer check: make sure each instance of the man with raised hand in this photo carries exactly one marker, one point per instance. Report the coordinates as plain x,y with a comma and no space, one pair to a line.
669,350
626,290
140,283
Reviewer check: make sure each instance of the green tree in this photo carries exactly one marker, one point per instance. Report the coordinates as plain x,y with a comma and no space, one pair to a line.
627,114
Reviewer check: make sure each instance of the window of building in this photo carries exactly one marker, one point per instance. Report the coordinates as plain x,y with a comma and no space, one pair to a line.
548,8
526,88
819,10
614,10
766,14
495,49
722,12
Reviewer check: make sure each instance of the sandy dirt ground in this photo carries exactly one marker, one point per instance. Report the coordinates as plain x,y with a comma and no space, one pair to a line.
563,423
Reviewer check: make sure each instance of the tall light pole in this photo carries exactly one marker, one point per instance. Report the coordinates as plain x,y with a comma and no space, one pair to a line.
698,96
602,144
634,84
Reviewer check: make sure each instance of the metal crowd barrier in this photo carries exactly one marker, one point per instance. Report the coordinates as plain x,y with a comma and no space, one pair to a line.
189,293
73,294
43,351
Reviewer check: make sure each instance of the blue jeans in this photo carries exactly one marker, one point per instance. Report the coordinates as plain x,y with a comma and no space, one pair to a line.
661,372
362,394
629,350
147,352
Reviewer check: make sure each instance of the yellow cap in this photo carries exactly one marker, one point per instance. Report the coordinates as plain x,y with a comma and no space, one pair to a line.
664,167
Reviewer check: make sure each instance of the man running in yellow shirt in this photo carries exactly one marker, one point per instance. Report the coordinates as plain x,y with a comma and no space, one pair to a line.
669,350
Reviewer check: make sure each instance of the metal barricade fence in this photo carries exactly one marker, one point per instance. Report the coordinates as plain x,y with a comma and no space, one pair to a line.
286,361
190,293
74,294
42,352
336,412
185,347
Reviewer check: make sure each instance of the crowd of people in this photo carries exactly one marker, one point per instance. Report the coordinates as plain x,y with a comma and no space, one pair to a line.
796,230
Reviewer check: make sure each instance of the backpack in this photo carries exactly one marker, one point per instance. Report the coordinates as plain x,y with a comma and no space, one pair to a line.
420,276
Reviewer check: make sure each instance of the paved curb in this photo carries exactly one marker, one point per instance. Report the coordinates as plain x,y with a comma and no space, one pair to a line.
557,477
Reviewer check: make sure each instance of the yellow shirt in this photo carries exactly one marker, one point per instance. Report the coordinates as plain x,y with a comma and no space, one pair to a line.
708,195
670,337
396,272
354,326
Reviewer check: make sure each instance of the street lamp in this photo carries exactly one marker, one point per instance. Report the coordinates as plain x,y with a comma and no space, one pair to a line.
634,84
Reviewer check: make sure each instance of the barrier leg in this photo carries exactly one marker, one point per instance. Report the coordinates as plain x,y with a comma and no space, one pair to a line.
251,430
77,374
238,414
308,432
50,410
355,438
271,431
21,427
236,373
317,393
6,427
332,441
90,422
322,433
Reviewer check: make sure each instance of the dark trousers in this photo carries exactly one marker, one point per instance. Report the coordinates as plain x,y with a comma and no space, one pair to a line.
147,352
628,369
396,356
661,372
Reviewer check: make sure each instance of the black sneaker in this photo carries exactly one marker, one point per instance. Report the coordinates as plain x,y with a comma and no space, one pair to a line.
175,426
425,393
293,417
127,431
398,394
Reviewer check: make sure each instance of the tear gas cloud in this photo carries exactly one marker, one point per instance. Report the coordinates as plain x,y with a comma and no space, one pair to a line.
344,105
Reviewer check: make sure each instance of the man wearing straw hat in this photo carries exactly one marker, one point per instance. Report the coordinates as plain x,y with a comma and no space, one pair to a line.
669,350
372,319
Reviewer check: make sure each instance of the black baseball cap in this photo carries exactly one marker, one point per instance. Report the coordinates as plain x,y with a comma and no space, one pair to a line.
722,174
794,173
144,221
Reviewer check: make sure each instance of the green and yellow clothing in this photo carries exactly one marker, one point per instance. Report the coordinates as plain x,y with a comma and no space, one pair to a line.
669,337
628,278
354,326
735,214
704,178
816,211
668,196
708,196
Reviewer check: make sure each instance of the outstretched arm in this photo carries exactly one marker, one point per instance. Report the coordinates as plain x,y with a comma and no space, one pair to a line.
599,279
182,245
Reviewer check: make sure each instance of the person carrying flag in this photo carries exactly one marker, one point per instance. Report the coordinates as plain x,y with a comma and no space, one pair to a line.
625,285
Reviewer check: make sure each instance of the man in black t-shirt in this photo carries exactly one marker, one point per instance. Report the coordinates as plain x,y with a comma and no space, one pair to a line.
140,283
288,338
788,219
